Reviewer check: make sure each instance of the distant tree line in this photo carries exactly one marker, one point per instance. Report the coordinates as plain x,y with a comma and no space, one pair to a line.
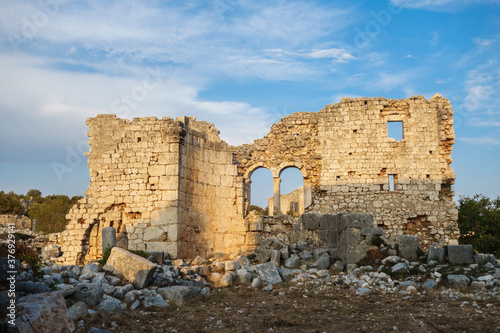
49,211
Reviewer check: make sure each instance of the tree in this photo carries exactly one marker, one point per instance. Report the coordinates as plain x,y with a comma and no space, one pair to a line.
35,195
258,210
51,213
10,203
479,223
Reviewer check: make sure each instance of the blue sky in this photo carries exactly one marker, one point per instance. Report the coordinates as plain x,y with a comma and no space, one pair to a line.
240,64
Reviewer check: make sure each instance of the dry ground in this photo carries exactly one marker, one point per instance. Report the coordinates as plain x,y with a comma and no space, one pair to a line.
332,309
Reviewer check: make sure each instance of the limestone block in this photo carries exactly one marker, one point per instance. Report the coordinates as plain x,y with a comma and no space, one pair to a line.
268,273
460,254
355,253
154,234
132,267
179,295
436,253
408,246
46,312
156,170
310,221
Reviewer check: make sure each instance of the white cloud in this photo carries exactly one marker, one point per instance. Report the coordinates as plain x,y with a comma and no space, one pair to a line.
482,141
338,55
440,5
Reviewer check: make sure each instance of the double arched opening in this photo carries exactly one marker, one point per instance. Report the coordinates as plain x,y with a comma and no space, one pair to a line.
277,190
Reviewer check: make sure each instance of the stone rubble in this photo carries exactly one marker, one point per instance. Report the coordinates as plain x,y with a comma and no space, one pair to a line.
90,290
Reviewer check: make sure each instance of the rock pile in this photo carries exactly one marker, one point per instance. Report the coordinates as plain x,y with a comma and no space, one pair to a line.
129,281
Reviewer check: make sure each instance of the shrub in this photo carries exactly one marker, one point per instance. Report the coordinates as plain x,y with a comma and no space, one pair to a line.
25,254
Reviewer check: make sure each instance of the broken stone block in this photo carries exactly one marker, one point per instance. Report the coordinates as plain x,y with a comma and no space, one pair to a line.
179,295
357,220
436,254
276,257
458,280
132,267
232,265
323,262
460,254
46,312
430,285
293,261
408,246
90,270
355,253
108,238
89,293
51,250
268,273
110,307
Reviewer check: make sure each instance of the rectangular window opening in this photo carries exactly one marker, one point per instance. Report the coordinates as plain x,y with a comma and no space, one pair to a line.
392,182
395,130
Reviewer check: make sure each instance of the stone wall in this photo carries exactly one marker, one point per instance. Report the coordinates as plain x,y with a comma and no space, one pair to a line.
291,203
19,221
173,185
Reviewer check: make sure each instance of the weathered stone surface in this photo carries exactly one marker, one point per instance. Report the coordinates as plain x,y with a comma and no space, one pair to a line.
323,262
198,261
399,267
108,237
356,252
132,267
288,274
311,221
179,295
458,280
78,311
460,254
372,231
90,270
293,261
46,312
110,307
89,293
408,246
276,257
155,301
227,280
232,265
51,250
430,285
437,254
244,277
32,287
268,273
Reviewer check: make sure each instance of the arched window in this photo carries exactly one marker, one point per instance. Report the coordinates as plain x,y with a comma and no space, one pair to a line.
292,191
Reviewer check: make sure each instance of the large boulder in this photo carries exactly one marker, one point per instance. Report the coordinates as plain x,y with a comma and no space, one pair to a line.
90,270
179,295
293,261
132,267
458,280
45,312
268,273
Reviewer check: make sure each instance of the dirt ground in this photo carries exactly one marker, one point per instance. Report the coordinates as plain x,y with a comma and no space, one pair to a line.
333,309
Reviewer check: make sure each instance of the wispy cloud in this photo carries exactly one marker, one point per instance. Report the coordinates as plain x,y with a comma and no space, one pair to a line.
482,141
337,55
441,5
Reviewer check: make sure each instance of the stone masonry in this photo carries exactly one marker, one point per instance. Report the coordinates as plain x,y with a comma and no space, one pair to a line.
175,186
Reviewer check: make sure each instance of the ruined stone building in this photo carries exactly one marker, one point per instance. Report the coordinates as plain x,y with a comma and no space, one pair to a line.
173,185
291,203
